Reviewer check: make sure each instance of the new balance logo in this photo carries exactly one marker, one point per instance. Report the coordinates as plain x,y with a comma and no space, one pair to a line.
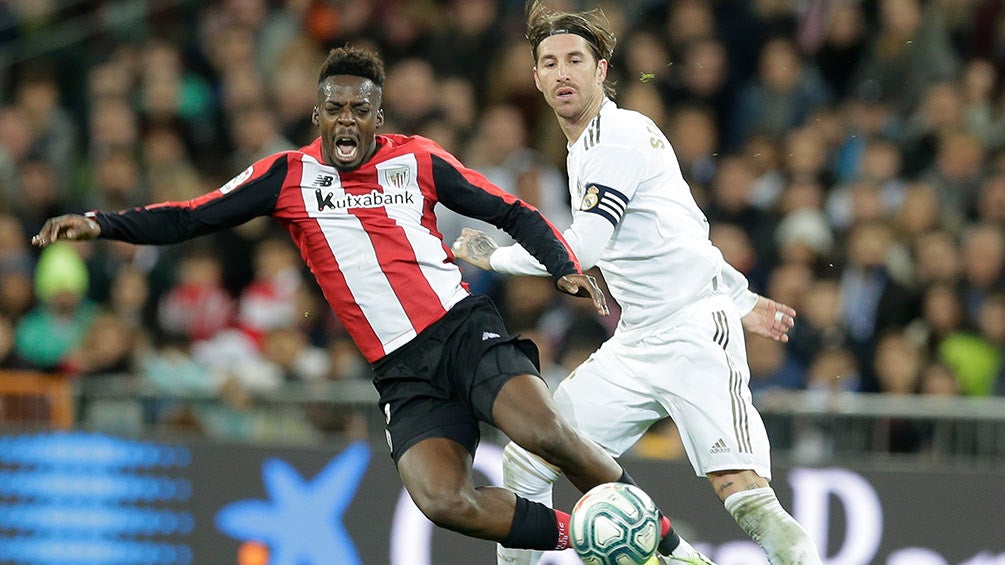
719,447
323,180
489,335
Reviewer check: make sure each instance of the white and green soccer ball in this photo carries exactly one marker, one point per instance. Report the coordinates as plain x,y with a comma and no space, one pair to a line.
615,524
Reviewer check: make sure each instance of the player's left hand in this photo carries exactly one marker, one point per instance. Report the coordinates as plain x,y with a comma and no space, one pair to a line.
474,247
585,286
770,319
72,227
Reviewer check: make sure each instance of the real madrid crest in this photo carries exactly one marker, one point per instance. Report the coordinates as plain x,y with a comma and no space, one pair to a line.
591,199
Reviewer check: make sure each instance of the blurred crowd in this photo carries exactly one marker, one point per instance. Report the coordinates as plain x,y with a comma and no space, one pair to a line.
849,154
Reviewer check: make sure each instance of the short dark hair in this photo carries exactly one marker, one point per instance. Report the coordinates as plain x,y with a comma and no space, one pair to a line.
592,26
353,61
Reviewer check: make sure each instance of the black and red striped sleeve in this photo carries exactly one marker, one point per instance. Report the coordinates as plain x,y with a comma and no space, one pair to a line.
468,192
250,194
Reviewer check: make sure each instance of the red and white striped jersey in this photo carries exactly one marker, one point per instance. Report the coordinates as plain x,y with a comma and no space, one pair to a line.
369,235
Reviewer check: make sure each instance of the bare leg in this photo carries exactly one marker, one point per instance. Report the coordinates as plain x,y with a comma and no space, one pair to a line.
525,412
437,474
726,483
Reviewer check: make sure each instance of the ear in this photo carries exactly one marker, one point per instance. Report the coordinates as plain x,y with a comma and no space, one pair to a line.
602,70
537,80
380,117
315,117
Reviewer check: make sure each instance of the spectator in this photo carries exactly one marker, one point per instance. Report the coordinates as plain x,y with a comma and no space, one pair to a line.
804,237
701,78
908,48
991,202
874,297
731,200
129,298
918,213
937,379
843,44
983,266
269,301
197,305
50,332
782,95
54,130
16,143
878,171
738,251
976,358
695,138
819,325
937,258
108,347
833,369
897,367
410,95
462,44
772,366
942,315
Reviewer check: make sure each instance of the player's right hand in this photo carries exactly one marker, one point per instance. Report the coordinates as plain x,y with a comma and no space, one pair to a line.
73,227
770,319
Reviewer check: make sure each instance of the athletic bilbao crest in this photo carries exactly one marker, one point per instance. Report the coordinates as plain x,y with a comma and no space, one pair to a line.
397,177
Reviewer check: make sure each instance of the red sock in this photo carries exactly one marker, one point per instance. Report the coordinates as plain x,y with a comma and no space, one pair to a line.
664,526
563,530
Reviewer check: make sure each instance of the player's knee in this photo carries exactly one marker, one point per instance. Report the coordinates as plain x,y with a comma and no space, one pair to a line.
555,443
448,510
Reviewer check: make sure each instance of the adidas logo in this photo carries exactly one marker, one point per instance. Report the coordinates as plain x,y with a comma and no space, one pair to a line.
489,335
719,447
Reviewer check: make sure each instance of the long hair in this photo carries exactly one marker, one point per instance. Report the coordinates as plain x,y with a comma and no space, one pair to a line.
593,26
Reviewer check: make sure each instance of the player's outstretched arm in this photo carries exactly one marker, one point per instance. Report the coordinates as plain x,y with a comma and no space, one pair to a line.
770,319
72,227
476,248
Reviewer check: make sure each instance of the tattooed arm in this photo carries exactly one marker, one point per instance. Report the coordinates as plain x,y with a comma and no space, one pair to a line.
475,247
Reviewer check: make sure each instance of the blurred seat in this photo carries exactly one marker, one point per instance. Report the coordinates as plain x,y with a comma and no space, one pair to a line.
35,400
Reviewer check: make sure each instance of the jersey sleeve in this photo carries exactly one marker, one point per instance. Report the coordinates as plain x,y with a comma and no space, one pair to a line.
250,194
587,236
469,193
738,289
610,175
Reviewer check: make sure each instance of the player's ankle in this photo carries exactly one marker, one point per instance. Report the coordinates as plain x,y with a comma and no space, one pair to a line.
668,543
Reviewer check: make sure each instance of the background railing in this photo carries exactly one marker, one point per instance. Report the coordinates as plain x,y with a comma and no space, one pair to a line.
806,428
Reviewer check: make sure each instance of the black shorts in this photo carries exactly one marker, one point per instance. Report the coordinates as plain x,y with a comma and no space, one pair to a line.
443,382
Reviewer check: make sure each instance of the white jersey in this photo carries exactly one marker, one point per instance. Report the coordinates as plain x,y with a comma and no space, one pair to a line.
635,218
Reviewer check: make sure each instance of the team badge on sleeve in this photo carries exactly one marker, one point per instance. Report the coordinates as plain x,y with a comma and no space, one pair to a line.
605,201
590,200
236,181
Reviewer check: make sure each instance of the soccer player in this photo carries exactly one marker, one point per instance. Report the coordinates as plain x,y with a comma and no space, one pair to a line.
360,208
678,349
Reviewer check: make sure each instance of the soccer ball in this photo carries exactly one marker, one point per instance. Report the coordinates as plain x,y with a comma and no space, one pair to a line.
615,524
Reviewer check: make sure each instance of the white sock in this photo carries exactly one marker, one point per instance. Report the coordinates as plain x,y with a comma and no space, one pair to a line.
531,477
758,513
686,551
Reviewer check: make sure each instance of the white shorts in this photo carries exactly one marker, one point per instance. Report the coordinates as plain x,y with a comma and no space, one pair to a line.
695,372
